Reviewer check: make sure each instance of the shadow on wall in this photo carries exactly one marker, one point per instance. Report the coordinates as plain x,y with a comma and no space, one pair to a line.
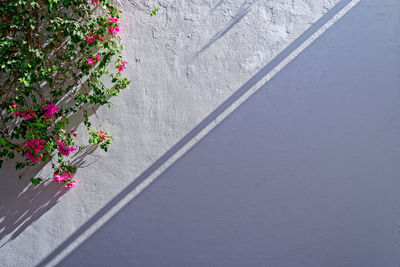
294,177
240,14
22,203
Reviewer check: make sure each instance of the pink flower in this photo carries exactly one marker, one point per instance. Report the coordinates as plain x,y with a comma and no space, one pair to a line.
113,30
98,58
50,109
70,184
95,2
90,40
90,61
14,105
122,66
65,149
27,115
113,20
34,146
57,177
64,176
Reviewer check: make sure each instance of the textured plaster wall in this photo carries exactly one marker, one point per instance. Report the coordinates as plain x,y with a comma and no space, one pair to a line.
304,173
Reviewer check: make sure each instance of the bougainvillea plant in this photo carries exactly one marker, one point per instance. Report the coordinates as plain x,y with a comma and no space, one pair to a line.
57,58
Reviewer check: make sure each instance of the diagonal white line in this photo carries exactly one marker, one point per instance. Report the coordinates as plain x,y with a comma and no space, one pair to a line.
154,175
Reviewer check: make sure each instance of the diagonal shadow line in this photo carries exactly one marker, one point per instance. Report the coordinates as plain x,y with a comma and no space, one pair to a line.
196,130
243,10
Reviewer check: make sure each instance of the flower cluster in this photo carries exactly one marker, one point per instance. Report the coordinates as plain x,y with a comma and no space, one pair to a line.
34,146
92,61
61,177
64,177
90,38
50,109
24,114
28,115
121,67
65,149
70,184
114,27
100,137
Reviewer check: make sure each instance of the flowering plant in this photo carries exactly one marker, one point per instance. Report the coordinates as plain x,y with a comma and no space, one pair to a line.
55,58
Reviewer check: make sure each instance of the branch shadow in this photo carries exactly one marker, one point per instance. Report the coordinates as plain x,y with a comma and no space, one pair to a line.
217,5
241,13
22,203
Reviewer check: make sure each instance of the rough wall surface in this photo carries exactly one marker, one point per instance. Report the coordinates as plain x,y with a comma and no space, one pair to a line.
305,172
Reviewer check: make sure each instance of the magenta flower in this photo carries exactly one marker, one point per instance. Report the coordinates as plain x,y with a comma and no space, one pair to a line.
113,30
64,176
90,40
28,116
122,66
95,2
34,146
113,20
58,178
98,58
65,149
70,184
90,61
50,109
14,105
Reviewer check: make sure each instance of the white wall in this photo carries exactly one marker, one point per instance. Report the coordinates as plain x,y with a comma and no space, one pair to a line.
304,172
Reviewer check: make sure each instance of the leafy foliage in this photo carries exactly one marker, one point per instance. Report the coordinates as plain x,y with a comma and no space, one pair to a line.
56,57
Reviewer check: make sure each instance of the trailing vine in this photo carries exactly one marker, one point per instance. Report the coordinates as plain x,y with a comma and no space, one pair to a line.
57,58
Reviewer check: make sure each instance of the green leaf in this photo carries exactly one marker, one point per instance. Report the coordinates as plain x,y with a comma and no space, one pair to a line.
36,181
154,11
3,141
